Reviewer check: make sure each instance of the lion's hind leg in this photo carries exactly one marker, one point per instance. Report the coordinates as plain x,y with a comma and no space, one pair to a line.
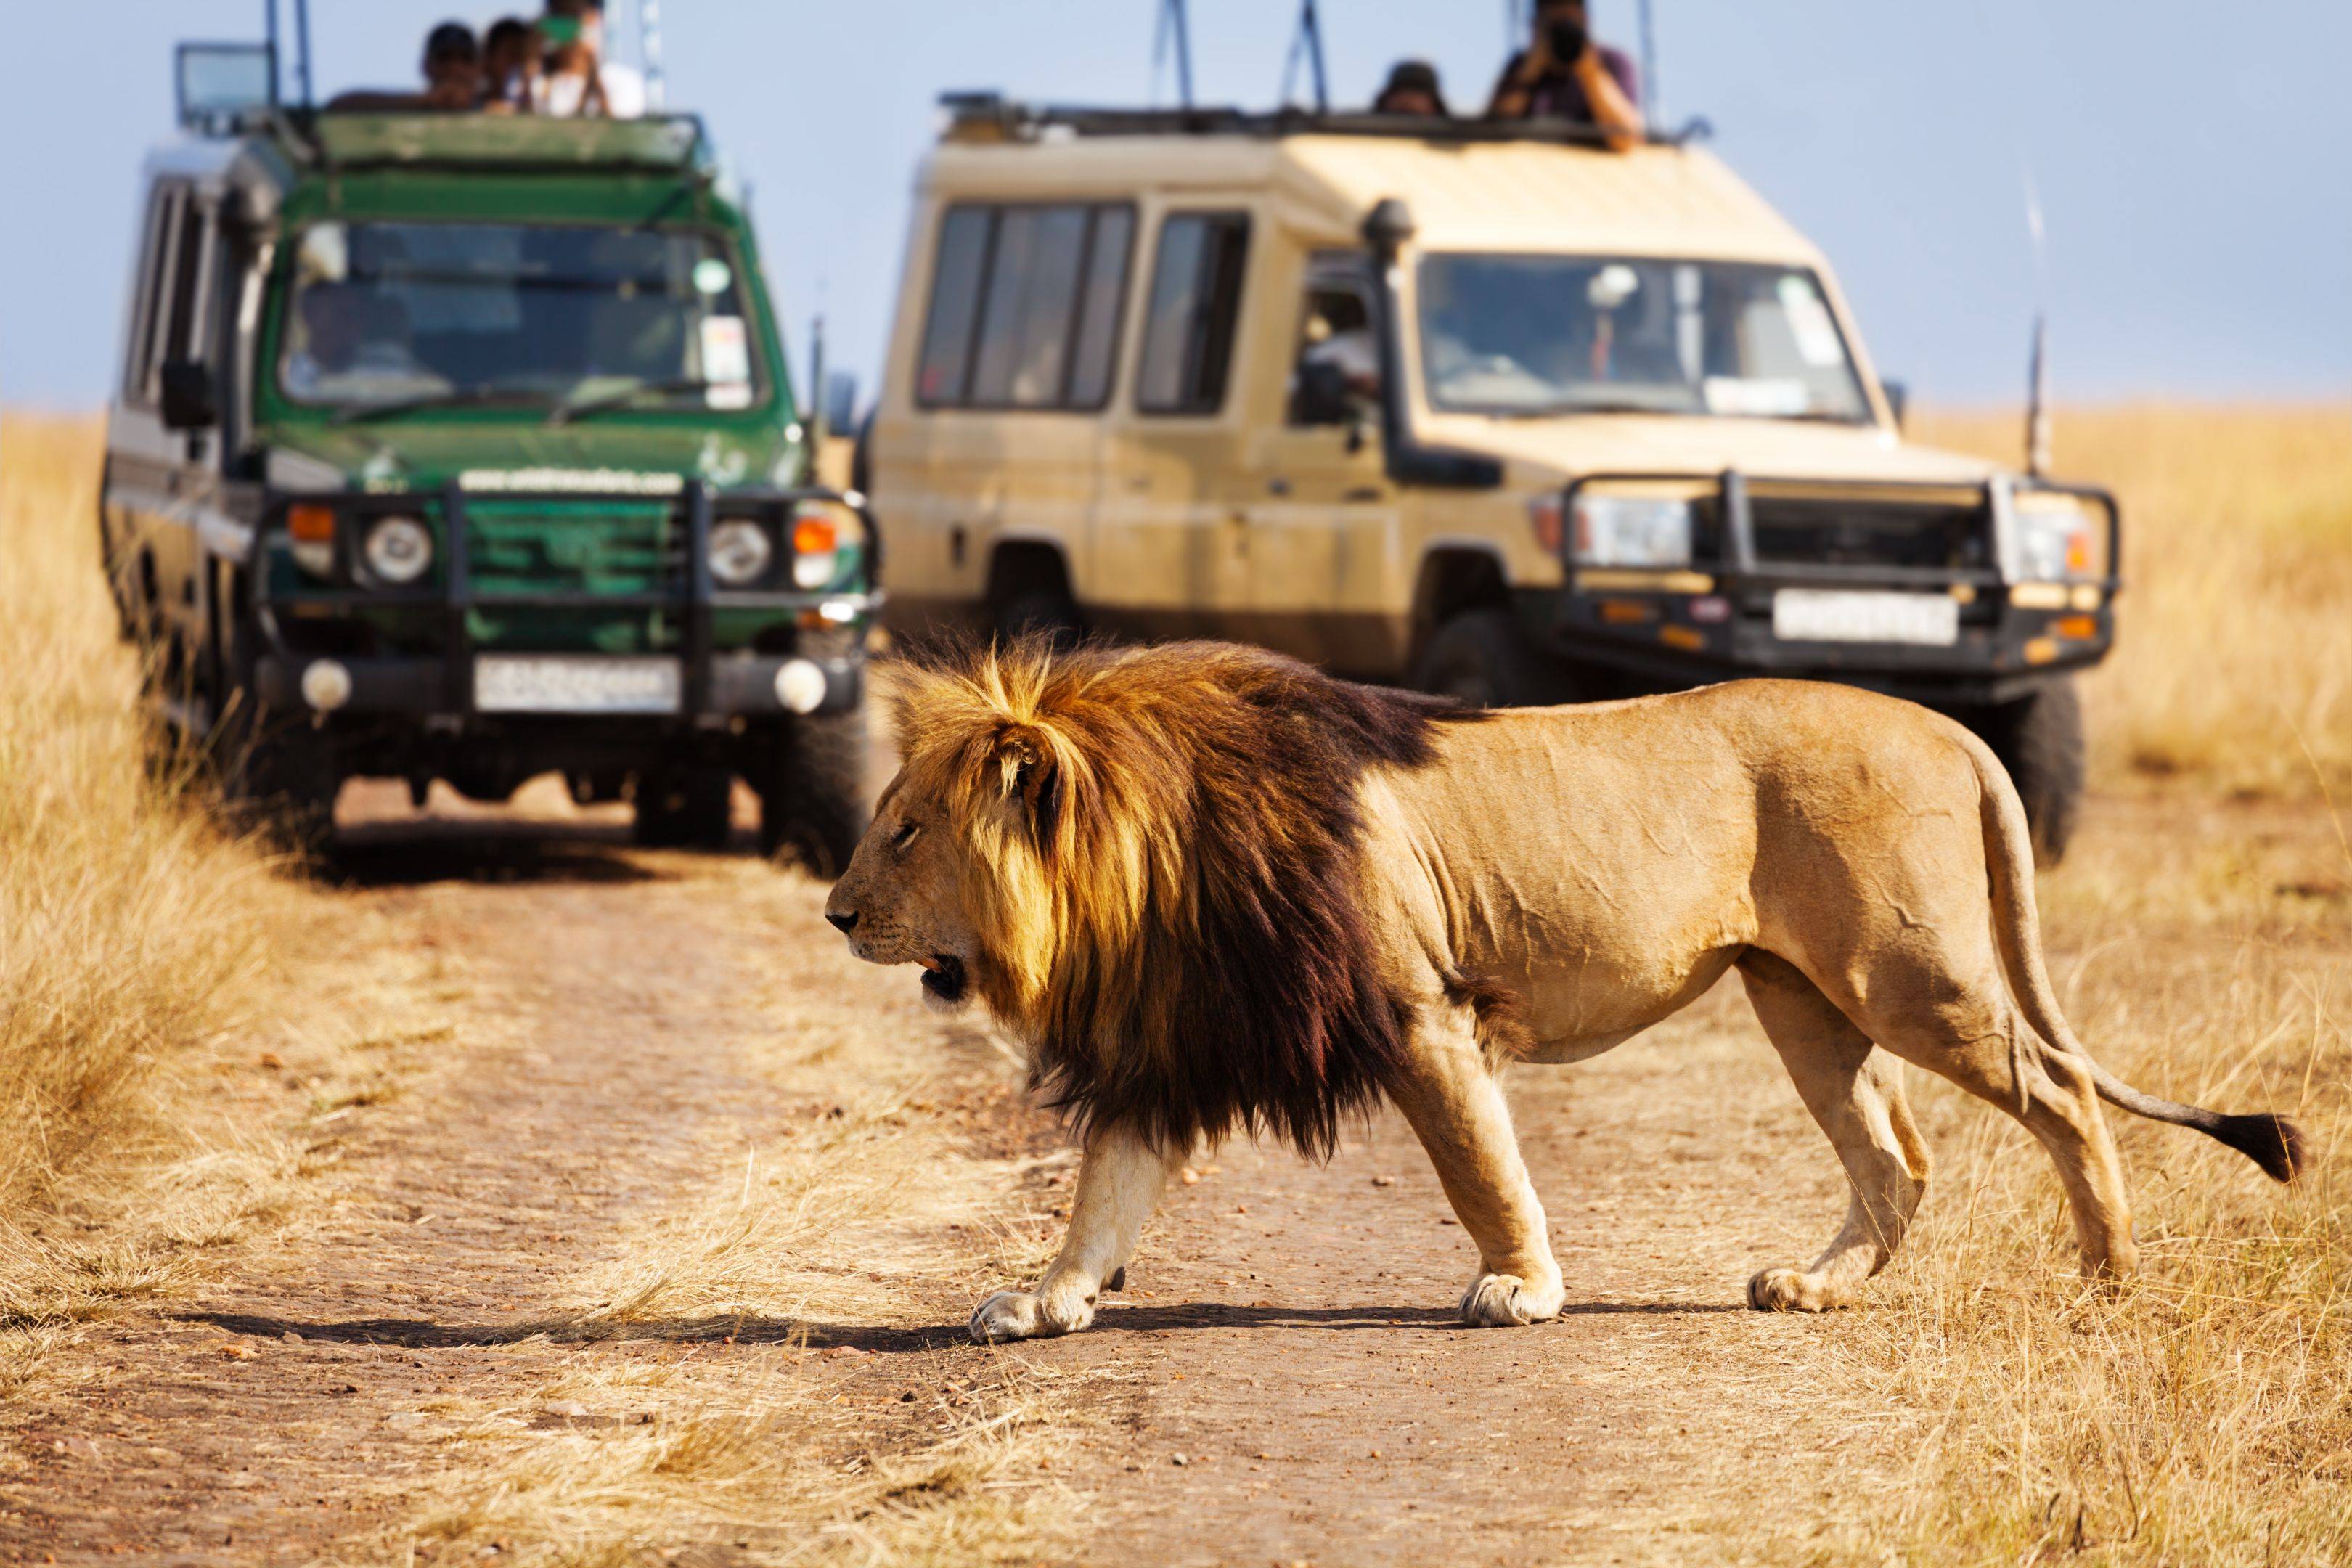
1855,1092
1450,1095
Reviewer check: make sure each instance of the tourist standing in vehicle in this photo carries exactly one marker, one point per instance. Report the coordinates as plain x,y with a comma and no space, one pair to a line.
580,79
1563,74
1413,89
509,64
453,68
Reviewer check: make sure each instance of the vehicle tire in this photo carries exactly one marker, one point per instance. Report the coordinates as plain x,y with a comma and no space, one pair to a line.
1038,611
812,800
2039,740
1485,658
283,778
685,808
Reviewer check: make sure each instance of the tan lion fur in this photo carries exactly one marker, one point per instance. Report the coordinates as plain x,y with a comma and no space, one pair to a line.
1212,889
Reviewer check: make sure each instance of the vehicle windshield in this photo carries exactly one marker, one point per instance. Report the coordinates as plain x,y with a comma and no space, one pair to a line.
1528,335
391,316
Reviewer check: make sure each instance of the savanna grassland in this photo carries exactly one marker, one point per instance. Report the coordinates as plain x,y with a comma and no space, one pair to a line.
518,1195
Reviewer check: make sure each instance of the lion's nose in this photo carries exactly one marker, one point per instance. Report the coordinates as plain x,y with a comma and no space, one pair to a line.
843,924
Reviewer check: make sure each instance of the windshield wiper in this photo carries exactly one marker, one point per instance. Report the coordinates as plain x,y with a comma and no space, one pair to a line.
457,397
620,396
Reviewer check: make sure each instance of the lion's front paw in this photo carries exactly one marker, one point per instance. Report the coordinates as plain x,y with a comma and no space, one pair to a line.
1503,1300
1018,1315
1792,1290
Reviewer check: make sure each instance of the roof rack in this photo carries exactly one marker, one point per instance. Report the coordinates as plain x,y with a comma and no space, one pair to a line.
992,117
388,137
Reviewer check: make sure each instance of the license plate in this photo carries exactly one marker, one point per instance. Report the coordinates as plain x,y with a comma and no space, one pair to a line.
509,683
1815,615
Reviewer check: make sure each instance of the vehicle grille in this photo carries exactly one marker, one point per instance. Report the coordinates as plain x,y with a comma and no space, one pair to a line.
1870,533
539,549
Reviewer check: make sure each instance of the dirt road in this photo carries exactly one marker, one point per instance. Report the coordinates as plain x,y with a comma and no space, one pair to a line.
1282,1381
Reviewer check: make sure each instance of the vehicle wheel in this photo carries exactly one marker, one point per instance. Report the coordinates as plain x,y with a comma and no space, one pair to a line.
1038,611
685,808
2039,741
812,800
1485,658
283,778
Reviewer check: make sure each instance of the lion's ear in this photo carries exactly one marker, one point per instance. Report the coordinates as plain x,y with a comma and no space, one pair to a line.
1029,774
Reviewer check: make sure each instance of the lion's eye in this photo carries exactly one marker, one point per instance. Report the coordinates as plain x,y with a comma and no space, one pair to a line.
904,836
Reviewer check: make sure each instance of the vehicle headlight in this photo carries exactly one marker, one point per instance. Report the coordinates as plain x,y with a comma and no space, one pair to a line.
1632,531
817,549
741,552
398,549
2055,539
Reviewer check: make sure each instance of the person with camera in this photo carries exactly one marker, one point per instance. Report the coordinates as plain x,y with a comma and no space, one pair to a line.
1563,74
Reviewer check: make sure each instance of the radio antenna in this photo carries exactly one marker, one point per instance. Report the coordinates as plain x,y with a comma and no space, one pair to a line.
1308,41
2037,391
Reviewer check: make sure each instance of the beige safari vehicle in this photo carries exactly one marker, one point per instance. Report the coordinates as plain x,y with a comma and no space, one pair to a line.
1482,410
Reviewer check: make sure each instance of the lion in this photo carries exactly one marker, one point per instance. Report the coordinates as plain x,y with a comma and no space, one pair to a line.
1214,891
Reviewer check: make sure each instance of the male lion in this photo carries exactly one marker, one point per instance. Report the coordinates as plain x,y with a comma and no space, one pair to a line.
1214,890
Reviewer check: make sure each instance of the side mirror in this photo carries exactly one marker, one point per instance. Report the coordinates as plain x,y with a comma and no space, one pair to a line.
187,395
1899,401
1320,395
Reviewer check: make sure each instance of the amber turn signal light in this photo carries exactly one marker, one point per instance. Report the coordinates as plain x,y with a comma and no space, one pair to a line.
310,525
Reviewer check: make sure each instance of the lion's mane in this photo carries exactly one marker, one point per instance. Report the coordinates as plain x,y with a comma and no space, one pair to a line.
1163,851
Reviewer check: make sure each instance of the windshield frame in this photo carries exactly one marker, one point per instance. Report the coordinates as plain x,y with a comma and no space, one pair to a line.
771,397
1864,386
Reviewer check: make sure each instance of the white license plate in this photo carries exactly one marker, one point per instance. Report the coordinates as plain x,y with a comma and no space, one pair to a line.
551,683
1815,615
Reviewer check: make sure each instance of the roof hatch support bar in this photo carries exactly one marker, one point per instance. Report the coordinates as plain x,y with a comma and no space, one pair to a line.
1308,41
1175,29
303,50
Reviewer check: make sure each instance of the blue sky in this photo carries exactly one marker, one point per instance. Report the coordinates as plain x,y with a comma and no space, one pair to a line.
2195,161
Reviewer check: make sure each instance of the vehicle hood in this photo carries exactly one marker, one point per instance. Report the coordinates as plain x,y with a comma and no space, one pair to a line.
591,455
1575,445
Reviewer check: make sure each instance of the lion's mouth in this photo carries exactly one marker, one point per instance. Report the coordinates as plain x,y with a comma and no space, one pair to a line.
943,976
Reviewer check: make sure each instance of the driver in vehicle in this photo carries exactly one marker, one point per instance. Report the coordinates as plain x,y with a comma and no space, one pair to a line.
355,342
1563,74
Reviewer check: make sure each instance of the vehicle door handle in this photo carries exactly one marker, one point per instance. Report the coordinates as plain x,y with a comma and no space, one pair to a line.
1278,486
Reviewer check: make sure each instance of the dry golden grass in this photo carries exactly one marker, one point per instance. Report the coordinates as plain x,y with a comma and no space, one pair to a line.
2236,655
156,1046
127,922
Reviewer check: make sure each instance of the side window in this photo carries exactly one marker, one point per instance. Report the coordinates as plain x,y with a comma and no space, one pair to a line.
164,207
1196,296
1024,332
184,333
955,305
1024,307
1096,349
1336,375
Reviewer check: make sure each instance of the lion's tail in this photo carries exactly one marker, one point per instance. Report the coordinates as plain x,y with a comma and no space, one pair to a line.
2272,1142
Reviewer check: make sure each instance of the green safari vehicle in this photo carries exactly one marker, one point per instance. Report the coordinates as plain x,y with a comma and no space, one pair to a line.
463,448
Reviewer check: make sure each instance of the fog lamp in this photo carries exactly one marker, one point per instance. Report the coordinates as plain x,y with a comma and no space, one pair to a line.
325,685
800,686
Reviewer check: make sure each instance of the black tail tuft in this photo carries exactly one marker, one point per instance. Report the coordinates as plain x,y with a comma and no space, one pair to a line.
2271,1142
